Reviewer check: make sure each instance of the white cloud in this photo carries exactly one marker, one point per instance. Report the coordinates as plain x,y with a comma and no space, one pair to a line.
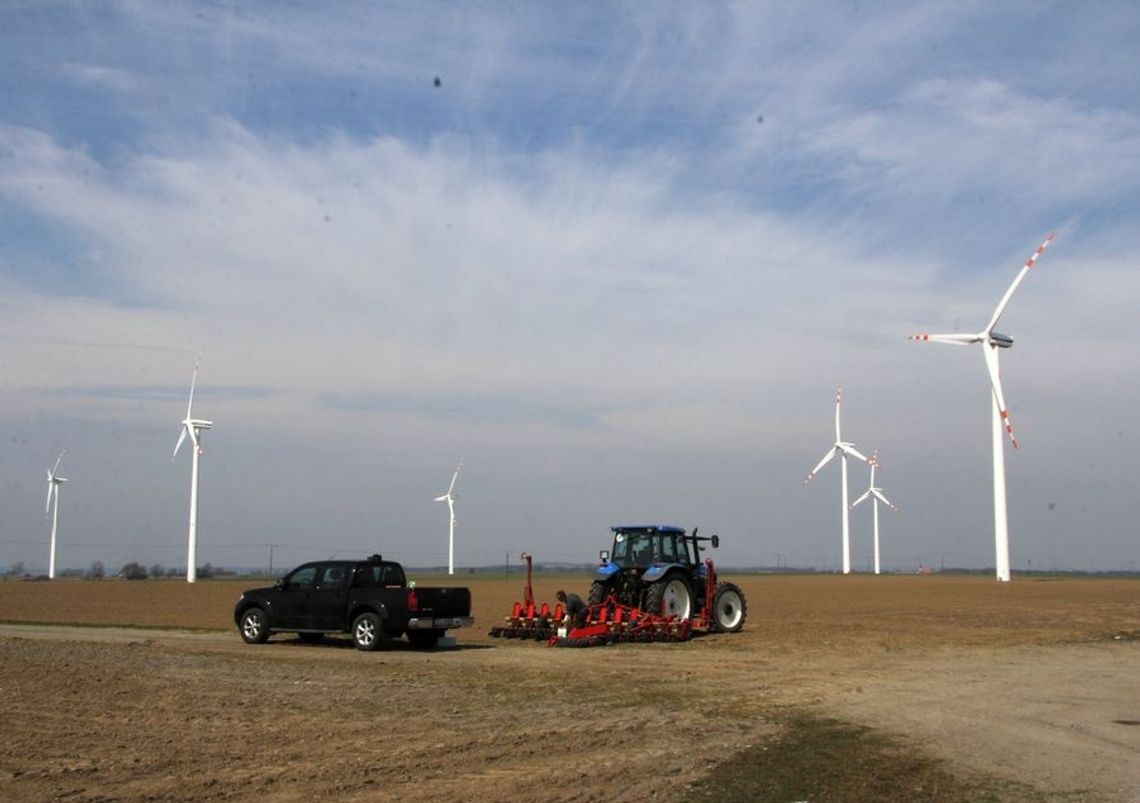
582,265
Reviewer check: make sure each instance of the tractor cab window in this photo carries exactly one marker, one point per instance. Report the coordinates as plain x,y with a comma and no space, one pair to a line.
669,553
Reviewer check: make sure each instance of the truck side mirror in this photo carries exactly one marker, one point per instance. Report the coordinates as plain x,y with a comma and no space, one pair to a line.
604,556
715,541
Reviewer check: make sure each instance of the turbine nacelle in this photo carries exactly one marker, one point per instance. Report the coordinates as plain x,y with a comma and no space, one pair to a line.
999,340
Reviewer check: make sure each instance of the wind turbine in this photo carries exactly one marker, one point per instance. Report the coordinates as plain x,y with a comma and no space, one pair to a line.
193,427
876,494
449,497
843,449
53,481
991,341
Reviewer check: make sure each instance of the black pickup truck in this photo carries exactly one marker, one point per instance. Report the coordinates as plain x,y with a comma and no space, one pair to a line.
370,599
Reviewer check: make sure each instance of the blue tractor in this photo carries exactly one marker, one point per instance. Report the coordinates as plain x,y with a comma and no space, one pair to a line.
658,569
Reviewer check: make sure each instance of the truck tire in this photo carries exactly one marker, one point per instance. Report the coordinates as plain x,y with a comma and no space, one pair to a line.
368,632
670,596
729,608
254,626
424,639
598,592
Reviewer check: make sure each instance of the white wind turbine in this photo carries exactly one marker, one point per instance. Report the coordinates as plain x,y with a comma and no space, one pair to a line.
876,494
449,497
192,426
53,481
991,341
843,449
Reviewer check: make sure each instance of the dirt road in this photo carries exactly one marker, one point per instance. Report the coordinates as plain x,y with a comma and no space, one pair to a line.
1037,687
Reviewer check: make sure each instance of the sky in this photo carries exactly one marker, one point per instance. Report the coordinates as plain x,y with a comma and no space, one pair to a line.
614,258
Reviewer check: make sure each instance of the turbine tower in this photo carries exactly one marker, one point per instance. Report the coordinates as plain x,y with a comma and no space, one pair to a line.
449,497
991,341
876,494
843,449
53,481
193,427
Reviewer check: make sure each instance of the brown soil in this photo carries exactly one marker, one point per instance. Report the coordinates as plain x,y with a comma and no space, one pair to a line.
1032,686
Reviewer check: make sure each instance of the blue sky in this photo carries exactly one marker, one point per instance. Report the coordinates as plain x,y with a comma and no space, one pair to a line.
616,261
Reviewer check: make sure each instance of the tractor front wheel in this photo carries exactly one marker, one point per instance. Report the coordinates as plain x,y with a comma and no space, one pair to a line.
729,608
670,597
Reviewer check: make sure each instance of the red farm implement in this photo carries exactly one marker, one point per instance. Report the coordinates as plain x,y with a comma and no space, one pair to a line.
662,603
528,620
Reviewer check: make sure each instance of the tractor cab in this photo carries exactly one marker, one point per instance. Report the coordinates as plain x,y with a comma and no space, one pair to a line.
641,547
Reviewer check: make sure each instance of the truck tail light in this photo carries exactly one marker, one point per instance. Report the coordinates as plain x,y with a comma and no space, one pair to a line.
413,603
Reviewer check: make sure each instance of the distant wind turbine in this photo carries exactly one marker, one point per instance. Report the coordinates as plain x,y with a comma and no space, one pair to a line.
876,494
192,427
991,341
449,497
843,449
53,481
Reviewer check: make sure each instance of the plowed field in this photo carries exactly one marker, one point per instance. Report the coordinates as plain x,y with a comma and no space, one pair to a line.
144,691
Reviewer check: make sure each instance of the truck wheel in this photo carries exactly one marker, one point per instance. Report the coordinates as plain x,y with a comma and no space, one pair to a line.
424,639
367,632
729,608
598,592
670,597
254,626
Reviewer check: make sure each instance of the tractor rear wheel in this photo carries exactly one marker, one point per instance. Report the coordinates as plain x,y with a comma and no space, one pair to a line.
598,592
670,597
729,608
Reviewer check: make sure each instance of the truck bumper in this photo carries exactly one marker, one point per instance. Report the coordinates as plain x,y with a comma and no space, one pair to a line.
442,623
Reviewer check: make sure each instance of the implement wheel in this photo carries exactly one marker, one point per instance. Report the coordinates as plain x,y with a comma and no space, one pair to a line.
670,597
729,608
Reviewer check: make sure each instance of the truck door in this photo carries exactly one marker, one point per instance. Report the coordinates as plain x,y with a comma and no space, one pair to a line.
293,597
328,601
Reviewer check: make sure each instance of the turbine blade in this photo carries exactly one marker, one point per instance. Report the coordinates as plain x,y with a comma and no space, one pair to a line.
850,449
838,403
47,504
879,495
453,477
991,353
827,457
440,498
952,339
1017,282
61,454
177,446
861,498
193,382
